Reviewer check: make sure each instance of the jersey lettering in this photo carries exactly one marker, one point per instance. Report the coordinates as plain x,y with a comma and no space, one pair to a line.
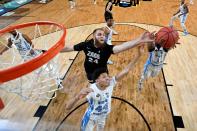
102,107
93,57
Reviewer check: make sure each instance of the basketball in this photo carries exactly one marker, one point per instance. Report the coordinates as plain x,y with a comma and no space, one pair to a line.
167,37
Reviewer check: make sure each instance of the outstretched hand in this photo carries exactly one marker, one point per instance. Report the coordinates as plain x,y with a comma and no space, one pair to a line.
84,92
147,37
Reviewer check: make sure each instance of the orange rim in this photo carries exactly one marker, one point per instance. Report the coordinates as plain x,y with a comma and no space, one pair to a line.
27,67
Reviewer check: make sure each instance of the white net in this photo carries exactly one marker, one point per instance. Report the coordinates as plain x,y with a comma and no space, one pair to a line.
42,83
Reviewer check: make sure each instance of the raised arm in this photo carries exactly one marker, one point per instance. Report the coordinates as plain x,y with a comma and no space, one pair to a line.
9,45
106,30
130,65
144,38
176,12
67,48
77,47
80,95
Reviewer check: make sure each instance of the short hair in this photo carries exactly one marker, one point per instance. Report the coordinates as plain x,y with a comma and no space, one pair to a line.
97,30
98,72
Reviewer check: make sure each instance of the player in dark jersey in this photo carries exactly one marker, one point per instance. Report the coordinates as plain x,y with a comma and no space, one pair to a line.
97,51
108,13
108,10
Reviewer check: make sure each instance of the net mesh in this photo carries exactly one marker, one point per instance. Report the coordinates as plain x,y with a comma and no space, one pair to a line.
42,83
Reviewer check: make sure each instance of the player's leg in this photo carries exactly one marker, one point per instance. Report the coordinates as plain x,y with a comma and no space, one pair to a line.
114,31
87,123
173,18
155,71
182,20
89,76
108,16
90,125
101,123
145,74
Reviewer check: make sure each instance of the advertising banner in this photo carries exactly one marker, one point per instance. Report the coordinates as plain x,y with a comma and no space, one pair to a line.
12,5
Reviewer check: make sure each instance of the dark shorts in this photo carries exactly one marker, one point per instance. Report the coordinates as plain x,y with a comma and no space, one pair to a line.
108,16
90,76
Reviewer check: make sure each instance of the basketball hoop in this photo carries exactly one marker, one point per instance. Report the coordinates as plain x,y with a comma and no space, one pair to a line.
34,77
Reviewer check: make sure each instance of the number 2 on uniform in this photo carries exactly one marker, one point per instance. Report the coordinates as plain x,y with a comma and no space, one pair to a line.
92,60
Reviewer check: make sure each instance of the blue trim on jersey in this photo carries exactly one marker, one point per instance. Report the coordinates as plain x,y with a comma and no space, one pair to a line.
86,117
106,38
148,62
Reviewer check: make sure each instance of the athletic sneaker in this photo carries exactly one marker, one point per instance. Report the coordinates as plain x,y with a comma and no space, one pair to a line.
185,33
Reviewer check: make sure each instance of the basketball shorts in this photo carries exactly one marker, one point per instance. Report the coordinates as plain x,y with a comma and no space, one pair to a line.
151,70
90,74
108,16
98,121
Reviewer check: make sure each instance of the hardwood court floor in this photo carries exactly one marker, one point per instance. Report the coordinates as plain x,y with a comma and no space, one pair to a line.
123,117
179,71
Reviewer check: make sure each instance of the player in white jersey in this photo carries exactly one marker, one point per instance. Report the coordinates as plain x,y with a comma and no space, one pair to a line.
99,97
23,44
154,62
182,15
108,34
109,31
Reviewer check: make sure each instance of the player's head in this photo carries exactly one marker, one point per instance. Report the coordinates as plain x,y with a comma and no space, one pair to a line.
101,77
182,1
110,22
99,36
13,32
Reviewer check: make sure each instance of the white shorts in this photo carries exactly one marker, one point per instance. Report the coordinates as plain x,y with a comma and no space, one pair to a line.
151,70
94,120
